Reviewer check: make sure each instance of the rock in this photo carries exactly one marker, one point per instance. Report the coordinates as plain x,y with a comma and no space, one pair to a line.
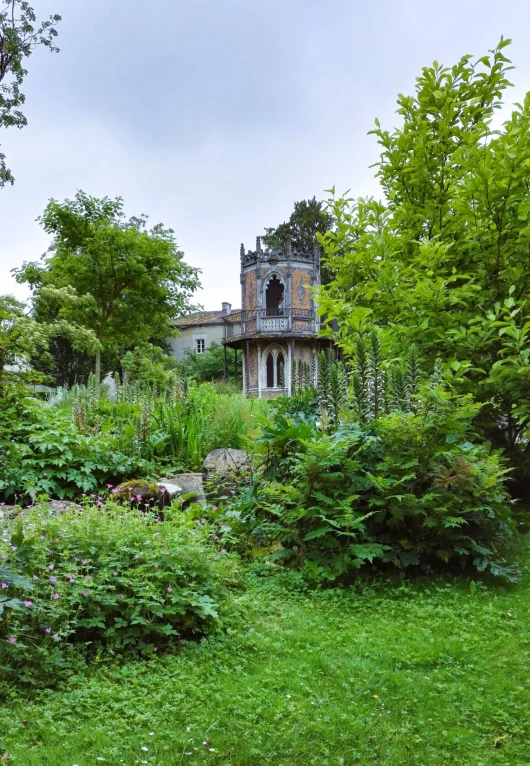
223,470
190,483
169,487
7,512
141,493
63,505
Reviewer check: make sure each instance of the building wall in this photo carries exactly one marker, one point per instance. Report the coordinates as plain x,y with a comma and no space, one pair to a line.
301,293
188,336
250,291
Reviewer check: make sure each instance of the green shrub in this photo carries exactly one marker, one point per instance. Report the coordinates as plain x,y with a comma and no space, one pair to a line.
109,580
42,451
407,489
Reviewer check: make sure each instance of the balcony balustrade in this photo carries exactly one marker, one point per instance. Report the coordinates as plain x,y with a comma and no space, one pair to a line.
291,321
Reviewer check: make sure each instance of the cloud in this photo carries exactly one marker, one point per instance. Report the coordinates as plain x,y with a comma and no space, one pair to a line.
214,116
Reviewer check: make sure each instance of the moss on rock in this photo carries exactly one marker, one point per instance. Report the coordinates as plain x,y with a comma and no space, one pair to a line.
139,492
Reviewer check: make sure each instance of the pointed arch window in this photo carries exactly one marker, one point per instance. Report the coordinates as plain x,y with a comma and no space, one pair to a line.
274,297
273,368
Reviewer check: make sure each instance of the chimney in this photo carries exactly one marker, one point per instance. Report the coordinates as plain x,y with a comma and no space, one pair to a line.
227,309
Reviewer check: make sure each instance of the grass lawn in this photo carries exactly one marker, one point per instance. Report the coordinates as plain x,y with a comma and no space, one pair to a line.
433,672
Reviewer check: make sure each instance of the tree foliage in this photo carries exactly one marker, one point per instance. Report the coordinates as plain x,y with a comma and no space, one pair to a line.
307,219
209,366
443,261
20,34
22,339
127,283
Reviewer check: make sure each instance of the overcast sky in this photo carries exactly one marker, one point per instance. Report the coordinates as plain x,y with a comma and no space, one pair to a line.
214,116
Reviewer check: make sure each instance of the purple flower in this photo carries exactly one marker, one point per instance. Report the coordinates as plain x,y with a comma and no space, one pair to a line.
169,588
42,537
14,548
216,537
155,649
214,507
109,486
223,550
56,637
196,521
53,579
84,592
12,640
5,585
101,503
55,596
115,490
87,577
120,595
51,567
35,577
70,578
84,561
138,497
28,603
162,489
48,630
115,574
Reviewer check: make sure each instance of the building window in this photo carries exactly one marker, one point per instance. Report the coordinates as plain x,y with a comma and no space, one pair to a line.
274,295
275,369
199,346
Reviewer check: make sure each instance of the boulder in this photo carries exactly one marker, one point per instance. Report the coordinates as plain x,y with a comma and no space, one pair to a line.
223,470
141,493
169,488
189,484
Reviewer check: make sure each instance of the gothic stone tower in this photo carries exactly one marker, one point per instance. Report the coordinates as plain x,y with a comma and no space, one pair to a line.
278,323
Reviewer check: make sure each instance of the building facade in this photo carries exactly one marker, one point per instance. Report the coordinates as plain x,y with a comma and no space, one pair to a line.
198,331
278,325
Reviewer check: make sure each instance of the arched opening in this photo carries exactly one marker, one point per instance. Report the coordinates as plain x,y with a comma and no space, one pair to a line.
270,371
274,295
280,371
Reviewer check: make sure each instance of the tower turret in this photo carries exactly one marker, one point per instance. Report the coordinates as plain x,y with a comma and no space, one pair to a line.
277,328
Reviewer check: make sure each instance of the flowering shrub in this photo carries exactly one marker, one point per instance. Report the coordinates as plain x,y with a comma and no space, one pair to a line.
109,580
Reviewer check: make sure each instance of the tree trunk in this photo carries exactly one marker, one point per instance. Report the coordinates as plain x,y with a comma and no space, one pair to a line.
98,368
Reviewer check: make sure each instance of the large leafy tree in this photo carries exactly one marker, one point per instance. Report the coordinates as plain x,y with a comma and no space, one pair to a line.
307,219
22,338
20,34
128,283
444,259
